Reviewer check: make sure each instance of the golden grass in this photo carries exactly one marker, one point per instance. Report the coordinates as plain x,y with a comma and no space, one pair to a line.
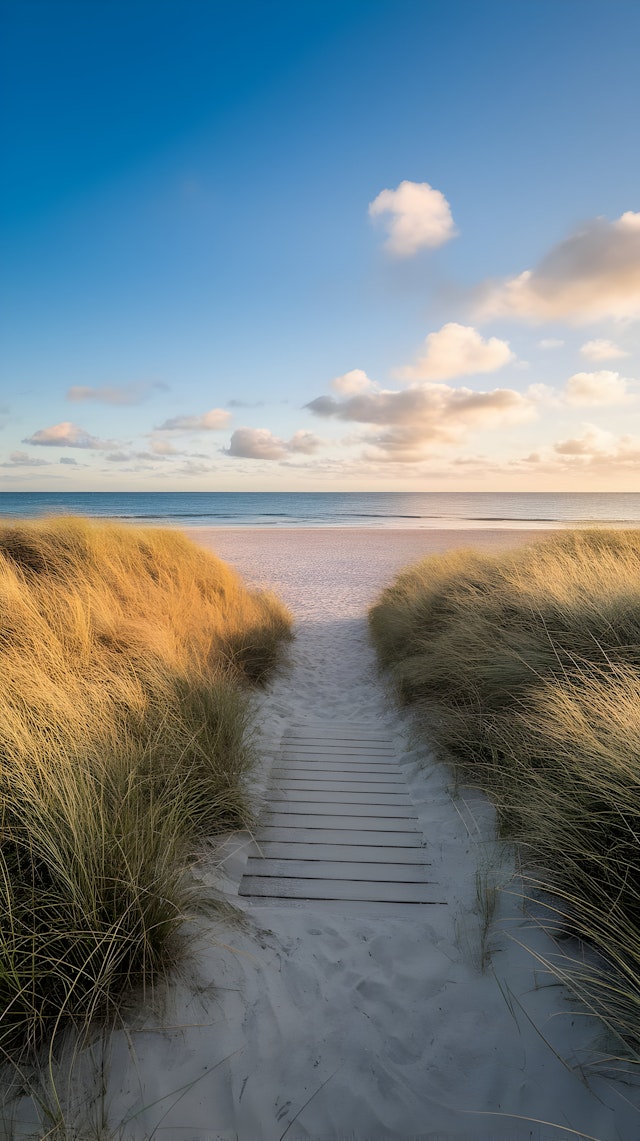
526,668
125,654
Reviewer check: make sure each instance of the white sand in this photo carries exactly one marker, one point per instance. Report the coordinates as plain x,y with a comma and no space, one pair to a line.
314,1024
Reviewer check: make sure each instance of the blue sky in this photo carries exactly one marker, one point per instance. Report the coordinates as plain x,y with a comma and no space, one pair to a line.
272,245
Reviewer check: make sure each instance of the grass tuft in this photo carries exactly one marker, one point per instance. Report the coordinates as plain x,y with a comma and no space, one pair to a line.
526,667
125,656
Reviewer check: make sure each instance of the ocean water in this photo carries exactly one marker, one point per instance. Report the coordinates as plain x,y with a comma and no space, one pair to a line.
334,509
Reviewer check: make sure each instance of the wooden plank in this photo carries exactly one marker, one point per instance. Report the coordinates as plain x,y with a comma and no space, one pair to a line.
337,808
335,820
361,742
359,853
336,889
337,727
317,784
337,761
300,777
302,833
332,796
347,748
337,869
338,764
338,757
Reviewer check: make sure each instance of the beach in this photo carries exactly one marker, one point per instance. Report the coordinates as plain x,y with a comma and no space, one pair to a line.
311,1022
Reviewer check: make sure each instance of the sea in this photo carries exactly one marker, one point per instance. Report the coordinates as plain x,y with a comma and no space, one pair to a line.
415,509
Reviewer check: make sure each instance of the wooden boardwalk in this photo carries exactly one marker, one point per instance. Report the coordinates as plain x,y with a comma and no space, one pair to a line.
339,827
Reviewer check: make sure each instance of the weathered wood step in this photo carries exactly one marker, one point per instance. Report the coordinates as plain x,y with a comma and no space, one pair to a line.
332,795
344,833
345,748
284,779
287,851
341,764
337,808
338,820
338,869
339,743
382,892
305,775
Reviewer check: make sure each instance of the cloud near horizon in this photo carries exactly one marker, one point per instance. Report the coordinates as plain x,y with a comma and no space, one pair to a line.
425,415
596,445
457,350
68,435
592,275
115,394
420,218
212,421
22,459
261,444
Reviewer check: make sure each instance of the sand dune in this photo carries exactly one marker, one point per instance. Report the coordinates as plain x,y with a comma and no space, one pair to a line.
311,1023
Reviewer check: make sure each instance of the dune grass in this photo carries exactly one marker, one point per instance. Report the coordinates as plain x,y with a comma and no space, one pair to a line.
526,670
125,658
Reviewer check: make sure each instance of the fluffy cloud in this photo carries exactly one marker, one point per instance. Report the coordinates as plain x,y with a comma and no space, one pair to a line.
592,388
420,217
114,394
595,446
351,382
593,274
21,459
261,444
211,421
67,435
304,442
457,350
428,414
601,350
161,446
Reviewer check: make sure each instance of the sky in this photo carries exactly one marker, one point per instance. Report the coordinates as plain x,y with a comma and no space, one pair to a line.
321,245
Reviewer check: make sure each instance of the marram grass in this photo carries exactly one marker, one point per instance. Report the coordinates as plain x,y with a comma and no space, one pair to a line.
526,669
125,655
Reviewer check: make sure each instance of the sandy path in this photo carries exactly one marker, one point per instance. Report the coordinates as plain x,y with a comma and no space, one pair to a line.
309,1024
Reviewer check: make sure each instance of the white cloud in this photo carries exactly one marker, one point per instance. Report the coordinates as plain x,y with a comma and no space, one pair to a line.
261,444
161,446
598,448
21,459
457,350
550,343
544,394
351,382
425,415
420,217
67,435
593,442
601,350
592,388
304,442
211,421
593,274
114,394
